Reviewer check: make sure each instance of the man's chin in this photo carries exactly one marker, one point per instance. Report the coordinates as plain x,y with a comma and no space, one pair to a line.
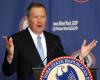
39,32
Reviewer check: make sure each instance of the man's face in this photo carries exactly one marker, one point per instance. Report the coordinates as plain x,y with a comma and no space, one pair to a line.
37,20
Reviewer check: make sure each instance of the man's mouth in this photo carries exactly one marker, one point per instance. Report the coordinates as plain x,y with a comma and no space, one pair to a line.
39,26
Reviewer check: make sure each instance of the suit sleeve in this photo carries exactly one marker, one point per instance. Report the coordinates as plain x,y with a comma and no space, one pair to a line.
7,68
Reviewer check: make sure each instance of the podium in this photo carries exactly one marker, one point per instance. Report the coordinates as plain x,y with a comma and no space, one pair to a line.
37,72
93,71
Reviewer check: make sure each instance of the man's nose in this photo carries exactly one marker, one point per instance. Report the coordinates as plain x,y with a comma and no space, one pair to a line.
39,19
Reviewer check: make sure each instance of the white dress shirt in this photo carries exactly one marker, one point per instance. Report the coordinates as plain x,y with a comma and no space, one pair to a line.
43,41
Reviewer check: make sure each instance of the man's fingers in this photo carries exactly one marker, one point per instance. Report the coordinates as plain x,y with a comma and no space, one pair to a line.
10,40
84,43
93,43
96,42
5,38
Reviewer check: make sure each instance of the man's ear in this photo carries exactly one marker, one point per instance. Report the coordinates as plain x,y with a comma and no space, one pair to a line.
27,19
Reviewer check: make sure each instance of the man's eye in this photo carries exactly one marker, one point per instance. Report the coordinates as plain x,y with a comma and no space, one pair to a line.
35,17
43,16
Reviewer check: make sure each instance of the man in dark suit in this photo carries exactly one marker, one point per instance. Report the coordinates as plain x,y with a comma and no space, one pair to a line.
22,48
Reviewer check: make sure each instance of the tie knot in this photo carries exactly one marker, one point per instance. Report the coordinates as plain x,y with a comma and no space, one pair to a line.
39,37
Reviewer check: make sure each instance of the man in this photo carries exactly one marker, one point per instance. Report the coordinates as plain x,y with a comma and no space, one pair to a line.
22,48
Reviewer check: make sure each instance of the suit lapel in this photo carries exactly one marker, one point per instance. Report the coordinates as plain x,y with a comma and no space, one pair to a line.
49,43
32,46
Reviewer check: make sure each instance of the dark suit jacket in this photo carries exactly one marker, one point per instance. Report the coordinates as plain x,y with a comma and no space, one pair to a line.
26,55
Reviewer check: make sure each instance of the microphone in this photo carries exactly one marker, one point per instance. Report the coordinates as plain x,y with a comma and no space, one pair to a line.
48,54
56,46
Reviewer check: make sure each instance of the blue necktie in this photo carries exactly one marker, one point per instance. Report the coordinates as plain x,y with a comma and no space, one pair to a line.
40,50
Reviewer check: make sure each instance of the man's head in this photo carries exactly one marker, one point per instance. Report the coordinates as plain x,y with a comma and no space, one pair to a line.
35,4
36,17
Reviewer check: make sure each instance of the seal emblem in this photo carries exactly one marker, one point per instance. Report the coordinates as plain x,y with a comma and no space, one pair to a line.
90,59
23,24
66,68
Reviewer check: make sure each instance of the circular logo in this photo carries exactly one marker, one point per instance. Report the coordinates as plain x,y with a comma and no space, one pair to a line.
23,24
90,59
66,68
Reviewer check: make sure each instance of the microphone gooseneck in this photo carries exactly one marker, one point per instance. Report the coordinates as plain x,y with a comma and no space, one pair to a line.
48,54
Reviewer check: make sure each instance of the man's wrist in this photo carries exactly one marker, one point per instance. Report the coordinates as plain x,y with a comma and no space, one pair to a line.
9,58
81,57
9,62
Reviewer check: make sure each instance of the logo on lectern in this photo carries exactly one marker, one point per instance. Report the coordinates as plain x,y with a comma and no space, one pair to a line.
66,68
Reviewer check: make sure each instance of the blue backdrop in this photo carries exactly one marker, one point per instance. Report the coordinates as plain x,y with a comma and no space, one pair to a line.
72,20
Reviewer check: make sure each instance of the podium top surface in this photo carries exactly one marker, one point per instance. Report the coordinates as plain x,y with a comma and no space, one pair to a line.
39,68
93,68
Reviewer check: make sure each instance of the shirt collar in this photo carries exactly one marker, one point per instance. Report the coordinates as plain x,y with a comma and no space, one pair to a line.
34,35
